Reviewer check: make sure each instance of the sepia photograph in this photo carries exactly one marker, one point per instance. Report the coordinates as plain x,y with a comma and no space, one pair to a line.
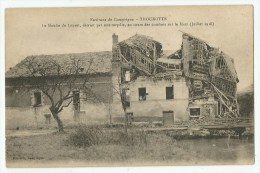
129,86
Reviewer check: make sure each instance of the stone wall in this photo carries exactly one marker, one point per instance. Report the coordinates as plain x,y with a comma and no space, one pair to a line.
156,102
95,107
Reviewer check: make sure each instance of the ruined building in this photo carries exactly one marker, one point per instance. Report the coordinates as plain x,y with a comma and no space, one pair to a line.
138,79
196,81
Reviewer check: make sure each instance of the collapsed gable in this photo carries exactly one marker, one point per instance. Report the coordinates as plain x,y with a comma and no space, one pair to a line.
209,73
140,53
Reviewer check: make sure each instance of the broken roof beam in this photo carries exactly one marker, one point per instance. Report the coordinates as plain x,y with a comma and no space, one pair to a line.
143,52
136,63
225,103
142,42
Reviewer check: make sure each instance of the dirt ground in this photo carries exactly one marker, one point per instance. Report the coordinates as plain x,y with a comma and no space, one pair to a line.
53,149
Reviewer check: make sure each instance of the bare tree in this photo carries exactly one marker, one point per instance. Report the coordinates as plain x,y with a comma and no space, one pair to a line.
56,80
120,90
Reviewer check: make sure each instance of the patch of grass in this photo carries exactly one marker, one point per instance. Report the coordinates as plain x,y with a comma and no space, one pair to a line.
119,137
85,136
109,146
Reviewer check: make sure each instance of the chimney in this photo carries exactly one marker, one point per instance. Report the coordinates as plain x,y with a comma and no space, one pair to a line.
115,38
154,55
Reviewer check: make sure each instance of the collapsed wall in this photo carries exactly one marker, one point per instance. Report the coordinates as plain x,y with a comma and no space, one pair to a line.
209,73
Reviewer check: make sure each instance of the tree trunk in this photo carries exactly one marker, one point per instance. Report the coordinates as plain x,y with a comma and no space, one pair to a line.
58,120
60,124
126,123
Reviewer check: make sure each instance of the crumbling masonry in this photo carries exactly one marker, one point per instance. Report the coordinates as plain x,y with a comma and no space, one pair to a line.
209,73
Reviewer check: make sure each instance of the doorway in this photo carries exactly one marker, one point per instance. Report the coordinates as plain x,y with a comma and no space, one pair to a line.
168,118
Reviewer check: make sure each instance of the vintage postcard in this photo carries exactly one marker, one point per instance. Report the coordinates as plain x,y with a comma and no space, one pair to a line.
129,86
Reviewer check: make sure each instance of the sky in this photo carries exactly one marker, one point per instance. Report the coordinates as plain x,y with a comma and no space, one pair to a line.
232,31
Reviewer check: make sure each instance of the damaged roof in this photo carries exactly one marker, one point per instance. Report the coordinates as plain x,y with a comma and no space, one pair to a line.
230,64
89,63
170,54
142,41
228,59
167,57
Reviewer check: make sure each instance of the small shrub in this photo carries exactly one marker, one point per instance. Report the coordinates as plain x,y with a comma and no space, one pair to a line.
85,136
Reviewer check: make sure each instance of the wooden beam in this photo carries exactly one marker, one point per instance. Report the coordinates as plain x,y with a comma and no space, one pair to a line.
220,94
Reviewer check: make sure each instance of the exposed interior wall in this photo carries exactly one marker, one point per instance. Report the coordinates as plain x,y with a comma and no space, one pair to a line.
211,73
